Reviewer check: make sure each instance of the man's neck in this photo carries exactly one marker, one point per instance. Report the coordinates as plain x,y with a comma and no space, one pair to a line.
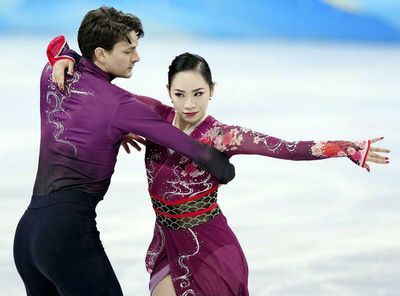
102,67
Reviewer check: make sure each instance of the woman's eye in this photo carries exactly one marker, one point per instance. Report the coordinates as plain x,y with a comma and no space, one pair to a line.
198,94
179,95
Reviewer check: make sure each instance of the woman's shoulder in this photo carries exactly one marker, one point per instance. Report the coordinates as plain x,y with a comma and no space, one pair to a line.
215,123
165,111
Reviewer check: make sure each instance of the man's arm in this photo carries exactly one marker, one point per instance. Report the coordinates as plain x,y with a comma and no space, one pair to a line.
137,115
134,116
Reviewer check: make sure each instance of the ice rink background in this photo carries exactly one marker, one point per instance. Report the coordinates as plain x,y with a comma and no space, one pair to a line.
307,228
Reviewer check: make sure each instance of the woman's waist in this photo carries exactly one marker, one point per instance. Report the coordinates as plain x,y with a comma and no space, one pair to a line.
186,212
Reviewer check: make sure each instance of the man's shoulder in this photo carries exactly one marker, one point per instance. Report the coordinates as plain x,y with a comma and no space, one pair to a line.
123,94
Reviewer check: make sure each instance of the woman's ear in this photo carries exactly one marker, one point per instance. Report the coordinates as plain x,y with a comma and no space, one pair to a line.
167,86
169,92
212,88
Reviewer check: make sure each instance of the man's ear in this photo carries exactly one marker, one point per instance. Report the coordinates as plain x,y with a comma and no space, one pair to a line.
99,54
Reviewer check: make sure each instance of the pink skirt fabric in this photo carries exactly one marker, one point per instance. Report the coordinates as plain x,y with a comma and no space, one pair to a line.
204,260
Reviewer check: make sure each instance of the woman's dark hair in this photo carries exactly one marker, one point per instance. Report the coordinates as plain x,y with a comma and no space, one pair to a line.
188,61
105,26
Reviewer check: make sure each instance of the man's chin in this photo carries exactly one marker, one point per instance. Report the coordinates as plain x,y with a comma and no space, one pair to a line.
127,75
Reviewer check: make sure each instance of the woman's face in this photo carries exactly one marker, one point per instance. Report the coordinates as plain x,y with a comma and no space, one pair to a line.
190,94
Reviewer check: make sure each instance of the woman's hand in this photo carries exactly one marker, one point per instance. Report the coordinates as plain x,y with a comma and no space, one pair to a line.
57,76
132,139
373,156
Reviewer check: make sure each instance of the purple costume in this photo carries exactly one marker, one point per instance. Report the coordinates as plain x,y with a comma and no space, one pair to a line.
57,248
192,240
82,127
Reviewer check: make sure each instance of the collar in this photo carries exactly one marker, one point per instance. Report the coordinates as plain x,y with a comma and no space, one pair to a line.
193,127
89,66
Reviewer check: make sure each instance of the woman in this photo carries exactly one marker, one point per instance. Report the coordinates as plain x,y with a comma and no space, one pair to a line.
193,250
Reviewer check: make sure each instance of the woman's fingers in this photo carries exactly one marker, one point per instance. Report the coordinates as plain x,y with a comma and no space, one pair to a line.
126,147
376,155
379,150
132,140
59,68
70,68
139,139
377,160
135,145
376,139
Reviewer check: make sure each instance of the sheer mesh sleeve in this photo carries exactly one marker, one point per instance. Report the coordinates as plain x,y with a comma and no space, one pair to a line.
234,140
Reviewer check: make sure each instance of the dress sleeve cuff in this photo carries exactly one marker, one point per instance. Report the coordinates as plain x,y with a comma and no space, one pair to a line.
365,153
55,48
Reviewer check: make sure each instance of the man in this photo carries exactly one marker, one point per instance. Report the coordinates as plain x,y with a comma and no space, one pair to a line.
57,249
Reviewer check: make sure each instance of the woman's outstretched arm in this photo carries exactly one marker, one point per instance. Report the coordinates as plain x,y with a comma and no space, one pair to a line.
234,140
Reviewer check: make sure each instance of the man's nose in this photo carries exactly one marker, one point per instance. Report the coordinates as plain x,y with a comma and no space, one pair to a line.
136,57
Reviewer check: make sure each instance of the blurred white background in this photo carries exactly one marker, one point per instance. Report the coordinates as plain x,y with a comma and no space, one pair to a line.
307,228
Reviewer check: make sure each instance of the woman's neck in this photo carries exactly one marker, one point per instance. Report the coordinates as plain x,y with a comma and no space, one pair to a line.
181,124
184,126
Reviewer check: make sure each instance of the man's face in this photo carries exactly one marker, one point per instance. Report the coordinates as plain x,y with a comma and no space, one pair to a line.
120,60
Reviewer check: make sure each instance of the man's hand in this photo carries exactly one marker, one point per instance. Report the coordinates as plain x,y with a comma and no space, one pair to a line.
57,76
132,139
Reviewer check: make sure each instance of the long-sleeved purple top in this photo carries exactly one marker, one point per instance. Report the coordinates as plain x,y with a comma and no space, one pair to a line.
82,127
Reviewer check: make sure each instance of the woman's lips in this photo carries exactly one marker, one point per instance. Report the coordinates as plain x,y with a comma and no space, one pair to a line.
190,114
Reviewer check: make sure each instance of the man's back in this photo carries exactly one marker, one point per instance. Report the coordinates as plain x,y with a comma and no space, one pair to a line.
76,149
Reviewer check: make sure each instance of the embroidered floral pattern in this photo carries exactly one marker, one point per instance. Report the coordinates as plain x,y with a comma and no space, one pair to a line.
354,150
223,141
192,169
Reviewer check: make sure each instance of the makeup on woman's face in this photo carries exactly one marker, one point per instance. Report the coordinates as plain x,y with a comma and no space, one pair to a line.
190,94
